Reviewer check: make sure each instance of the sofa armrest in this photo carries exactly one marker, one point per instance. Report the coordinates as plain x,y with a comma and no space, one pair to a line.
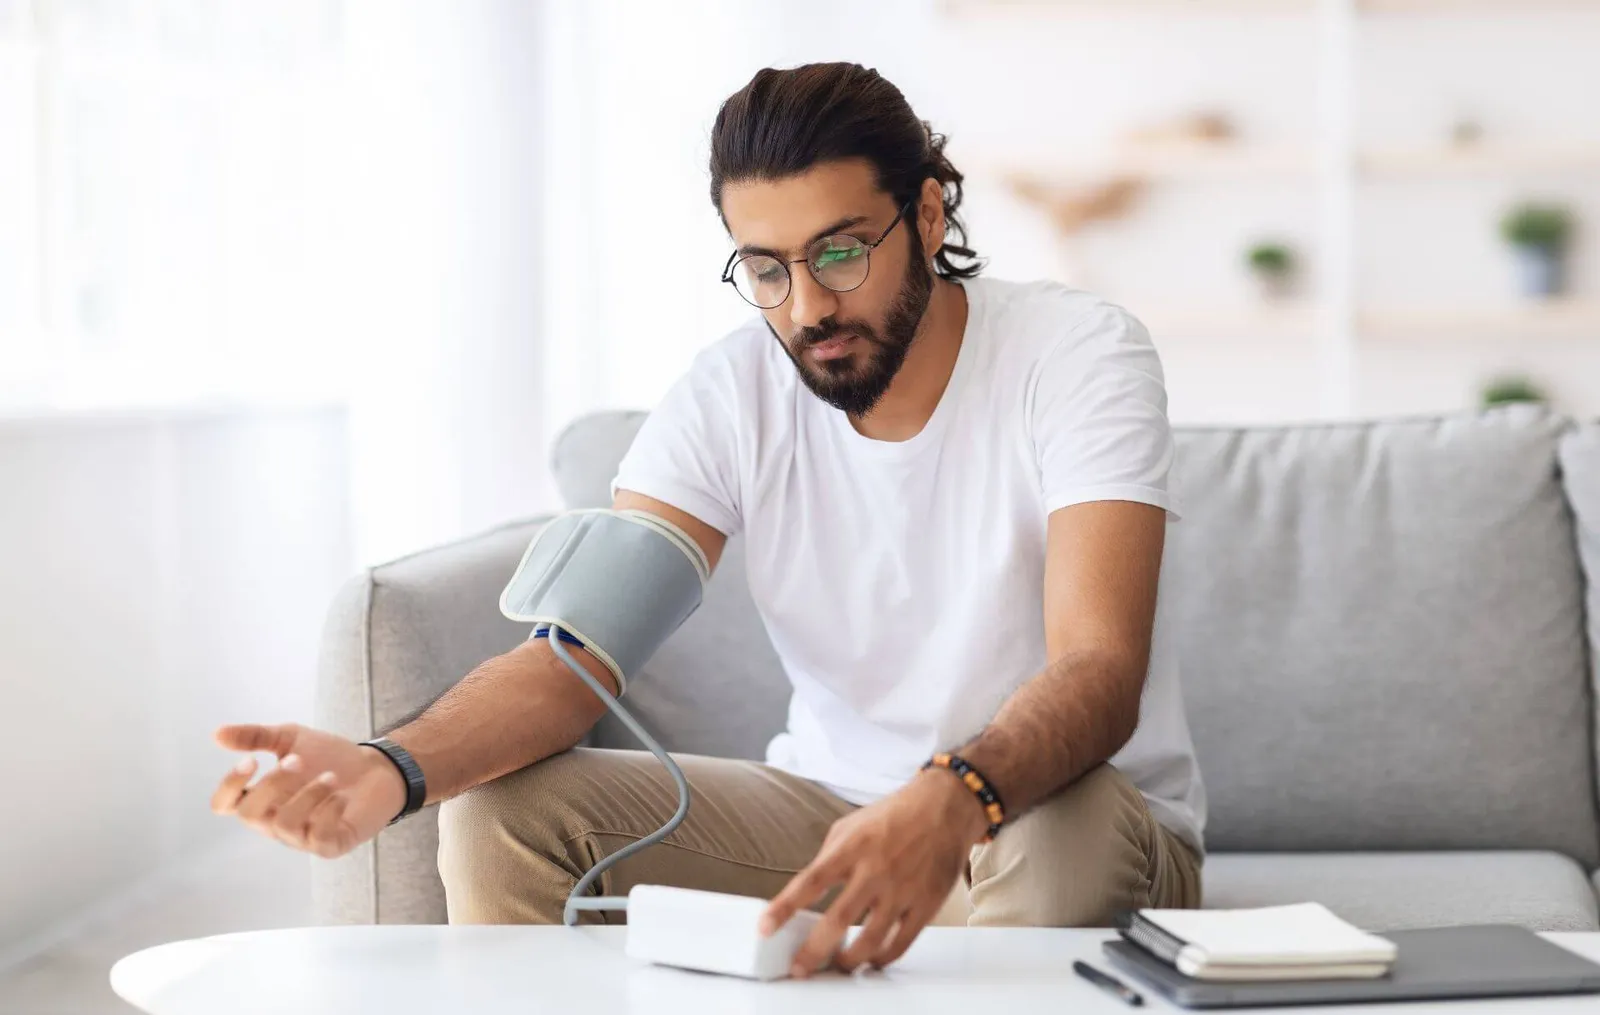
396,637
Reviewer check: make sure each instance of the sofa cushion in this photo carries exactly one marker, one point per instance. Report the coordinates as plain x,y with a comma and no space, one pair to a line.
716,687
1381,631
1397,891
1580,472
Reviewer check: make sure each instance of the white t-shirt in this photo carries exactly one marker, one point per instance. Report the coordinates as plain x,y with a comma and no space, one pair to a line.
902,583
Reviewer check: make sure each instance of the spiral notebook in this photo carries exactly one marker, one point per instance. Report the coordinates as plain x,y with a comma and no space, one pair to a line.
1305,941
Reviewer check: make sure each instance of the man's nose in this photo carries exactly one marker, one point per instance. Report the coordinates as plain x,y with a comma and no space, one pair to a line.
810,302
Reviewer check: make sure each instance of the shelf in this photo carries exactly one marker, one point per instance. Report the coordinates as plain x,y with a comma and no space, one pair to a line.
1561,319
1223,8
1557,319
1249,322
1473,6
1228,161
1481,160
1169,162
1128,8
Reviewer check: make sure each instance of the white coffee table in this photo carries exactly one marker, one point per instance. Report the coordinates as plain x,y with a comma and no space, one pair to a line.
401,970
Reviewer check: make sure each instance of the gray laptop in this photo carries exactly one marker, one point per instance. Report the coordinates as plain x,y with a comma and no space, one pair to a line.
1446,962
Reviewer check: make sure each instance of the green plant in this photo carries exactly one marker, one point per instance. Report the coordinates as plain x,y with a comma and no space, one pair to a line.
1547,227
1270,258
1512,388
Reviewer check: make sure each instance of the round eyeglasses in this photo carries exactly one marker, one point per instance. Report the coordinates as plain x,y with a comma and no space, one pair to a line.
837,262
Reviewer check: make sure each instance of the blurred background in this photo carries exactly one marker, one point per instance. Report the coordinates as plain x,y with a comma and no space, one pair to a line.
293,287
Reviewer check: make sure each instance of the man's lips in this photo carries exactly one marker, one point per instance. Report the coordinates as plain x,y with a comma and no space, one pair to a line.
832,348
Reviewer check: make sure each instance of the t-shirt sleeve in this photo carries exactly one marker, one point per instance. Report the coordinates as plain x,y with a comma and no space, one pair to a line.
686,453
1099,416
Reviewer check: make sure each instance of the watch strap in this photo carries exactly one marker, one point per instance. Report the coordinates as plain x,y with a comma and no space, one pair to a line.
416,785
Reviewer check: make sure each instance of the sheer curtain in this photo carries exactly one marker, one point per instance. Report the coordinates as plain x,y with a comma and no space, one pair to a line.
165,160
245,204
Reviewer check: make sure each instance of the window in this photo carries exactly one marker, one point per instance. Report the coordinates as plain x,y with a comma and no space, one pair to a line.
166,198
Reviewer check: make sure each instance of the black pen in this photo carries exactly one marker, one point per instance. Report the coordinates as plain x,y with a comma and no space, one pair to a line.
1109,984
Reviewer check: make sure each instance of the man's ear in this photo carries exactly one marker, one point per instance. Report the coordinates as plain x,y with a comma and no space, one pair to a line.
930,217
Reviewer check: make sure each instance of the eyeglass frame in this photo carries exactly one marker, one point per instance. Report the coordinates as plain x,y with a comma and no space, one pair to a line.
735,258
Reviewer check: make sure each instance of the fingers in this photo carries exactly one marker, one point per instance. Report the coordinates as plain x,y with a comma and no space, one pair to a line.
328,833
911,924
260,805
277,739
804,889
870,942
293,816
823,941
231,790
313,820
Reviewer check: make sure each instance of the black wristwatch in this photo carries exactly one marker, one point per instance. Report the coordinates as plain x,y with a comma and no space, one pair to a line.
416,785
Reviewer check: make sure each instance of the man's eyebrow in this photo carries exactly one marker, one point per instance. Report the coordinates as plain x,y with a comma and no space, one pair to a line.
839,226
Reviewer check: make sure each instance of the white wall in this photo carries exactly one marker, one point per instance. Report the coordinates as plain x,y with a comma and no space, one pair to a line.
442,189
1028,86
159,576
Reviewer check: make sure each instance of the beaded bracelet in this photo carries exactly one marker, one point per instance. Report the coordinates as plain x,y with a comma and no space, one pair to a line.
974,780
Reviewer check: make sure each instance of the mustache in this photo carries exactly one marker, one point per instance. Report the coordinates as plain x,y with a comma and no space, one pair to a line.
807,337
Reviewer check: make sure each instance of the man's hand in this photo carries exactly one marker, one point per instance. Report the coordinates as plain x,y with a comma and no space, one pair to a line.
327,795
897,860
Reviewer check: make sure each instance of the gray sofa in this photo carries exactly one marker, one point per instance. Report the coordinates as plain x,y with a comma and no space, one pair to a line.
1390,646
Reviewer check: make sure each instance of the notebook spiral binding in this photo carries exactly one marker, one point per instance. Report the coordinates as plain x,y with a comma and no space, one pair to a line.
1153,939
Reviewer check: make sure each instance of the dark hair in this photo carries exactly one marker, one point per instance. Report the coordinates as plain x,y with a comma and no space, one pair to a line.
786,121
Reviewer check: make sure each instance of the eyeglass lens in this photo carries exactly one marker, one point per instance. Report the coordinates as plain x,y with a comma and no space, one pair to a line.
836,262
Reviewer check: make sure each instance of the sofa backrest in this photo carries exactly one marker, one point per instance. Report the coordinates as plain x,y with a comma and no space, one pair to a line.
1382,634
1381,630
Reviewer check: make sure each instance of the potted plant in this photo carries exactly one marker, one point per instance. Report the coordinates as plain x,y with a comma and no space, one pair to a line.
1273,267
1511,388
1539,235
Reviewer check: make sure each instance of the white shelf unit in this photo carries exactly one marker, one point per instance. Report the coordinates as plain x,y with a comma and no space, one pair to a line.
1204,8
1336,167
1471,6
1564,319
1489,159
1168,162
1558,319
1237,162
1128,8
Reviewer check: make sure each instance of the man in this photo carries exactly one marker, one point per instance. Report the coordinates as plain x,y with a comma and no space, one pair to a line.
954,494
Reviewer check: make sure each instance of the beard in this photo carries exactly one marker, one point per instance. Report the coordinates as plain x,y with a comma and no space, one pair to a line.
855,383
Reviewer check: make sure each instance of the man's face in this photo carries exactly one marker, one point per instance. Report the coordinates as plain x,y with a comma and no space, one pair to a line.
847,346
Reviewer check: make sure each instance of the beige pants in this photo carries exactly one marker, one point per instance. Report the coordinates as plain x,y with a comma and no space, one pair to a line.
511,850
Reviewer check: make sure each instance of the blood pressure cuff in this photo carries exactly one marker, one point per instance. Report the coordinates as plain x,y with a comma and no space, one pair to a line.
619,581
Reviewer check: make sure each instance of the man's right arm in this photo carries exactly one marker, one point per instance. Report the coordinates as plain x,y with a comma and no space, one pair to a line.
510,712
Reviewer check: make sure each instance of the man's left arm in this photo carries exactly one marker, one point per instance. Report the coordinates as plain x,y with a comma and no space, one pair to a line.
897,859
1101,573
